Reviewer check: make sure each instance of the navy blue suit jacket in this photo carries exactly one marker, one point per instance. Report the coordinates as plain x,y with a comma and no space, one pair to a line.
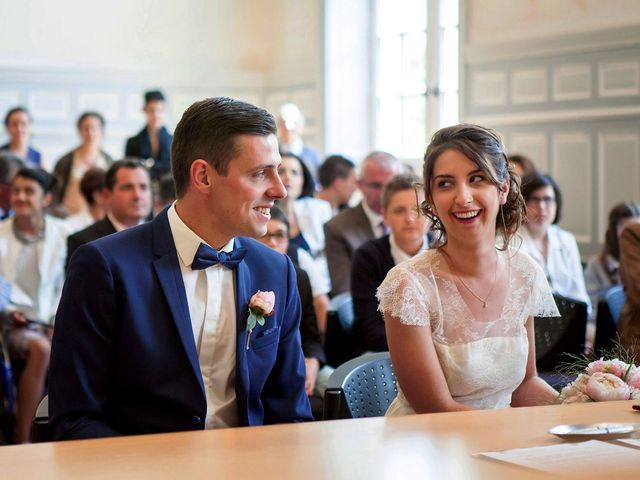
140,146
124,359
371,263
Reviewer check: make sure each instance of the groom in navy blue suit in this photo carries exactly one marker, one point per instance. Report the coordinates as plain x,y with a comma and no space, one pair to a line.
152,331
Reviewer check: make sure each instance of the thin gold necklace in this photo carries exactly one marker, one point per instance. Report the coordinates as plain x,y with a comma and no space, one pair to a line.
478,297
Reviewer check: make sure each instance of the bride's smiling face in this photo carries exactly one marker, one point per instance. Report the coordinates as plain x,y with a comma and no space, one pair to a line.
464,197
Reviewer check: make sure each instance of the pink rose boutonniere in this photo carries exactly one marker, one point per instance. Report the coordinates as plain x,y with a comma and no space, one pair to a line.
261,305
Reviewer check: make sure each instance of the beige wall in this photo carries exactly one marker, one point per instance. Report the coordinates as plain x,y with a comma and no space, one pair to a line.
560,80
188,41
499,20
60,58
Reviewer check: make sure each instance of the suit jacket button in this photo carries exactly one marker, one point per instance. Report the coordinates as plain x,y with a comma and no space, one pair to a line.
196,419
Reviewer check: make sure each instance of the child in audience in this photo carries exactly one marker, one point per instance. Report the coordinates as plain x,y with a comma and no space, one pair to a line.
401,198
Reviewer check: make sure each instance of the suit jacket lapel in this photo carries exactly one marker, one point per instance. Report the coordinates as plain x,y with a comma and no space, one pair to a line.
167,268
243,295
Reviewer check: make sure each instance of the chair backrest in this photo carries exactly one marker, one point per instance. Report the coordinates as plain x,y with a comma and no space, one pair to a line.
556,336
615,299
40,425
339,343
362,387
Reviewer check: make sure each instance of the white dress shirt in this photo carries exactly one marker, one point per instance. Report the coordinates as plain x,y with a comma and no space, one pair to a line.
562,265
121,226
375,220
211,297
400,255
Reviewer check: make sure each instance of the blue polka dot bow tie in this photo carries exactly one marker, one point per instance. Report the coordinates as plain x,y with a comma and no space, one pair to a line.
207,256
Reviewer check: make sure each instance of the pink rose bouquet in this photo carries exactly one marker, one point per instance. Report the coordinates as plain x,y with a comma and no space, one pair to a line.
604,380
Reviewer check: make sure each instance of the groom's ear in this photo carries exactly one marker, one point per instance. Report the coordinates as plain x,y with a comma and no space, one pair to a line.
200,175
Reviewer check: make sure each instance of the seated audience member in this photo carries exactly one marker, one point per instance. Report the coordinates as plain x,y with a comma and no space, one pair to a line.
521,165
603,270
338,180
629,324
18,125
154,140
459,317
92,189
127,200
307,216
553,248
372,260
71,167
32,253
166,194
354,226
277,237
290,130
9,166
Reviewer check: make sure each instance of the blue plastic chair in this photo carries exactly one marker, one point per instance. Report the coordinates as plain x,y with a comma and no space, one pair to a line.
615,298
362,387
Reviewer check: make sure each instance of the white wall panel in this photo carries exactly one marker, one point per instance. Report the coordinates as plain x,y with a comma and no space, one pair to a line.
619,79
529,86
619,167
533,145
572,166
489,89
108,104
571,82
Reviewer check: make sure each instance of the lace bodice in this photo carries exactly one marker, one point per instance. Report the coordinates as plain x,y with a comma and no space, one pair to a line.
483,361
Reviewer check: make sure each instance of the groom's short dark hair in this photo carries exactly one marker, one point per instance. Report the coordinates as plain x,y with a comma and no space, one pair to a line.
208,129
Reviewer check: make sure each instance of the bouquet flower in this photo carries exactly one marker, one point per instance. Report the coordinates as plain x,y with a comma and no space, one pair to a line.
601,381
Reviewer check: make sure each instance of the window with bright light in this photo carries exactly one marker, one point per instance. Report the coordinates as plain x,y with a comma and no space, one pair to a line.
416,80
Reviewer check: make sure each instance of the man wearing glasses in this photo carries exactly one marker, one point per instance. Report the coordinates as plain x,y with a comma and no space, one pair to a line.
354,226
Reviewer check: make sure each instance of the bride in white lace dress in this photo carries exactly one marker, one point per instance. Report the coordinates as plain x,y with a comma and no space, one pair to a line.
459,318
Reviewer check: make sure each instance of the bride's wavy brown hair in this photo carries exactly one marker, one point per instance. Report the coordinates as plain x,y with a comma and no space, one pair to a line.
484,148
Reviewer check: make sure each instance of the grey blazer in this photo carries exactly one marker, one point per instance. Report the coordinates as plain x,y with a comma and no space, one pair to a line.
344,233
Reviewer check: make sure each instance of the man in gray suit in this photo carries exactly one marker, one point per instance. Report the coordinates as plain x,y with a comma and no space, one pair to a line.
354,226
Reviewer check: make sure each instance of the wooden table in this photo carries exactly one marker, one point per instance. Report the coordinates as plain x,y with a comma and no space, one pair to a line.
421,446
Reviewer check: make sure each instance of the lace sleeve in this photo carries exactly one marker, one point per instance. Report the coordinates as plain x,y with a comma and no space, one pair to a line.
401,296
542,304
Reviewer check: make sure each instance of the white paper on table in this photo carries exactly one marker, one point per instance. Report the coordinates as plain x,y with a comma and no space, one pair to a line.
574,459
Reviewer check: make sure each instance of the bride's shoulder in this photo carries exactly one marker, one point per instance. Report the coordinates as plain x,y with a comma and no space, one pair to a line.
522,263
421,262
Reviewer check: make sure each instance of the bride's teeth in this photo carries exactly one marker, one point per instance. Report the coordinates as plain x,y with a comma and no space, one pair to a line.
265,211
467,214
